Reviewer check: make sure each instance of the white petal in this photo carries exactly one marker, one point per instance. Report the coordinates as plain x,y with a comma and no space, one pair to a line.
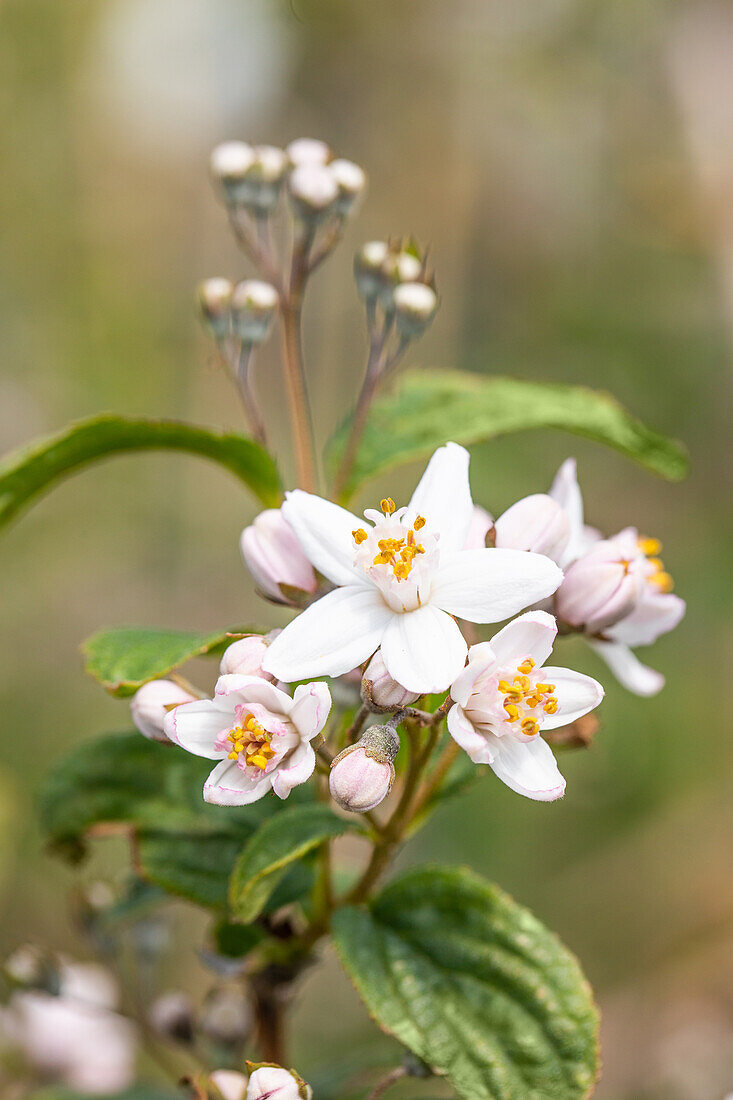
481,658
486,586
310,709
236,688
654,615
463,733
566,491
297,769
531,635
628,669
423,650
334,635
324,531
196,727
443,496
228,785
527,767
576,694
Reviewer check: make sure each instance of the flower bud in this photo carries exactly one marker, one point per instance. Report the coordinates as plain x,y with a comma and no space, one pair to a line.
379,691
263,182
308,151
150,704
351,182
253,305
599,589
171,1015
313,190
536,523
215,299
229,1083
368,264
226,1016
230,162
398,268
481,531
245,656
362,775
415,305
276,1083
275,559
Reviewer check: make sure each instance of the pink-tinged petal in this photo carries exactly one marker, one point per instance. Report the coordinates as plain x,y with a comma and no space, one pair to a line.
481,523
566,491
197,726
311,708
576,694
628,669
424,650
297,769
536,523
481,658
486,586
324,531
531,635
464,734
229,785
334,635
527,767
443,496
655,614
235,689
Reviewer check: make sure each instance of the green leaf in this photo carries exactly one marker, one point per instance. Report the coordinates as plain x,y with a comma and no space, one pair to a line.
429,408
473,984
31,471
125,658
135,1092
277,844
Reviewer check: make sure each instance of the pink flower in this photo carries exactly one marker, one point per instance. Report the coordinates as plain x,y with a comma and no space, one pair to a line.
246,655
379,691
362,775
275,1083
275,558
150,704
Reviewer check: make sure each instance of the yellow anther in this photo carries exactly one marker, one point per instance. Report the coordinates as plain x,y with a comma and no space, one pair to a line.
232,756
512,712
550,706
650,547
526,666
410,537
387,505
259,760
504,686
359,536
530,726
402,570
545,689
663,581
419,523
533,701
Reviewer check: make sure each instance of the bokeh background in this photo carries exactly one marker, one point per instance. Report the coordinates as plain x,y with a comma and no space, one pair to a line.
570,163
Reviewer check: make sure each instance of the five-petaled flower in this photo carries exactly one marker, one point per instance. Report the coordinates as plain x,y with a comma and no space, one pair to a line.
260,735
402,580
505,698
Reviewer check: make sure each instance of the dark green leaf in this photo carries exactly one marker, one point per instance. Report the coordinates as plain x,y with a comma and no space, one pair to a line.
135,1092
236,940
429,408
31,471
473,984
277,844
125,658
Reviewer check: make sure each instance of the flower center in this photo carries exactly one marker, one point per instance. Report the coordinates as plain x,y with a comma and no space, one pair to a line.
250,743
651,548
396,553
525,694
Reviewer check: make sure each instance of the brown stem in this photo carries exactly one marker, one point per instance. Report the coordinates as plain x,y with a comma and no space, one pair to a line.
269,1004
256,246
249,401
391,1078
300,414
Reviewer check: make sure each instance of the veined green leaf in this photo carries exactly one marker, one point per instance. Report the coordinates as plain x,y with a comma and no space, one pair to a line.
31,471
429,408
474,985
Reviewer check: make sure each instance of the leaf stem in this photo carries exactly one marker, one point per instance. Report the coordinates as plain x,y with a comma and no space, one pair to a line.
391,1078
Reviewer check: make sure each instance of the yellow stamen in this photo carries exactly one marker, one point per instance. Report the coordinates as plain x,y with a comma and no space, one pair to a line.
526,666
550,706
512,711
419,523
663,581
359,536
387,505
649,546
530,726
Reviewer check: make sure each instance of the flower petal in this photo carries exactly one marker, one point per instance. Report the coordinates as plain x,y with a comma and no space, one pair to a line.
527,767
334,635
424,650
481,658
297,769
486,586
464,734
311,709
196,726
443,496
531,635
655,614
236,688
628,669
324,531
576,694
229,785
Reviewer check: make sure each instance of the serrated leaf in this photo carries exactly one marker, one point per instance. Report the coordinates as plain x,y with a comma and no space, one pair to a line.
276,845
473,984
429,408
31,471
125,658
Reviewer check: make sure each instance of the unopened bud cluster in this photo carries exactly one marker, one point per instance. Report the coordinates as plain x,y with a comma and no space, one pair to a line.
394,276
245,310
362,775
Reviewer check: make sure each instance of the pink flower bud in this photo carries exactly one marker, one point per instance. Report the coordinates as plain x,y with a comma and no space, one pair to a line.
362,775
481,530
536,523
275,1083
379,691
275,559
599,589
150,704
246,656
231,1084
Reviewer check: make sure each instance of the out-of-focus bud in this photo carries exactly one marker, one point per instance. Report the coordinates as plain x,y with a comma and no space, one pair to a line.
229,1083
368,264
253,305
172,1016
246,655
215,299
362,775
230,162
599,589
268,1082
313,191
402,267
150,704
536,523
308,151
351,182
32,968
481,531
379,691
415,305
226,1016
275,559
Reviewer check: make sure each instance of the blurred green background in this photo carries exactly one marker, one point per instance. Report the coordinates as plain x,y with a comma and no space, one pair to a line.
570,163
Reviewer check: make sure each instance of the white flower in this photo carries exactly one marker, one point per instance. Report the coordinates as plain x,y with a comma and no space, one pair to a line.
401,581
536,523
150,704
505,698
259,733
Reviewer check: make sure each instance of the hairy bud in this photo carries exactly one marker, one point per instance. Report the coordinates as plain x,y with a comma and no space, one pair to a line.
415,305
246,655
536,523
150,704
362,775
308,151
215,299
313,191
351,183
268,1082
275,559
253,305
599,589
379,691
